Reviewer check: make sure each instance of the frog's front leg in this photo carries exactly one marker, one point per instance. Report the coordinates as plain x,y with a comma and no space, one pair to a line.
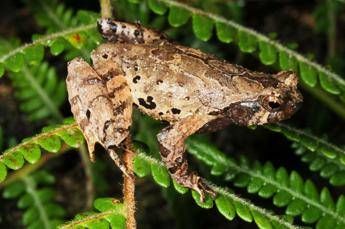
123,32
172,148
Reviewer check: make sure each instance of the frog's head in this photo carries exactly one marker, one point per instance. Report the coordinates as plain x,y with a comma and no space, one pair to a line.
276,99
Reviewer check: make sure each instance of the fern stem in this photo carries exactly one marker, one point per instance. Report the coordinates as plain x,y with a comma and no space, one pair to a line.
91,218
51,15
332,28
46,38
90,189
39,136
19,174
327,99
41,92
31,189
106,9
129,186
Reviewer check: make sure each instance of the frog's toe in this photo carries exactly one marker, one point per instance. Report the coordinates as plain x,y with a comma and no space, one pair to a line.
204,189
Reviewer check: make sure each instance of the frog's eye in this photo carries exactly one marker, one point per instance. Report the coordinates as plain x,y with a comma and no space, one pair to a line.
271,103
274,105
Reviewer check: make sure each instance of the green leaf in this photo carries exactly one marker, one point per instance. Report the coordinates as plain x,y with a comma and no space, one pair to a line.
308,74
141,167
31,153
178,16
254,185
207,204
202,27
225,207
3,172
179,188
77,40
34,54
326,198
13,190
267,53
243,212
325,222
329,170
13,160
30,216
311,215
267,191
25,201
247,42
295,207
287,62
106,204
15,63
296,181
157,7
117,221
310,190
281,198
340,207
328,84
72,137
50,143
241,180
282,176
160,175
225,33
317,164
327,151
261,220
57,46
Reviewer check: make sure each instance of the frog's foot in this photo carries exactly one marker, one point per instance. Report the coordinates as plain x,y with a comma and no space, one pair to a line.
172,150
195,182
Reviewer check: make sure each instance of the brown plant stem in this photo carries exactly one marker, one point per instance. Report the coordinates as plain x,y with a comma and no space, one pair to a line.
106,10
129,185
90,189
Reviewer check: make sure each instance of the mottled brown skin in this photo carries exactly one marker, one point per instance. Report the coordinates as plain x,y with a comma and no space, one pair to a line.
191,90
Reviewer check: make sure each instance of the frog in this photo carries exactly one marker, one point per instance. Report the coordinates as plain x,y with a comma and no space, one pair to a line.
192,91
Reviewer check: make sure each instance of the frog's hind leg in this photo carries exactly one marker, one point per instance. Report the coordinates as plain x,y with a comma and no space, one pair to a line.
172,148
122,32
119,93
103,116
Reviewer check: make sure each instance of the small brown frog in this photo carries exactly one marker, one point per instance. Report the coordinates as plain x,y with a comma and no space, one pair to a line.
191,90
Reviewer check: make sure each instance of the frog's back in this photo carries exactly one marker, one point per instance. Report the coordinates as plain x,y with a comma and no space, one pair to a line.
170,82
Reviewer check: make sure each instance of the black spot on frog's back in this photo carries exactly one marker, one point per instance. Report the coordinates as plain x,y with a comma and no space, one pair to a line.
175,111
148,103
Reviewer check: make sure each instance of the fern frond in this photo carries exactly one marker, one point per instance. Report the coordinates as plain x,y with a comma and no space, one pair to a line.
30,149
323,156
314,76
39,91
54,16
15,59
38,88
227,203
333,170
36,199
287,189
111,212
